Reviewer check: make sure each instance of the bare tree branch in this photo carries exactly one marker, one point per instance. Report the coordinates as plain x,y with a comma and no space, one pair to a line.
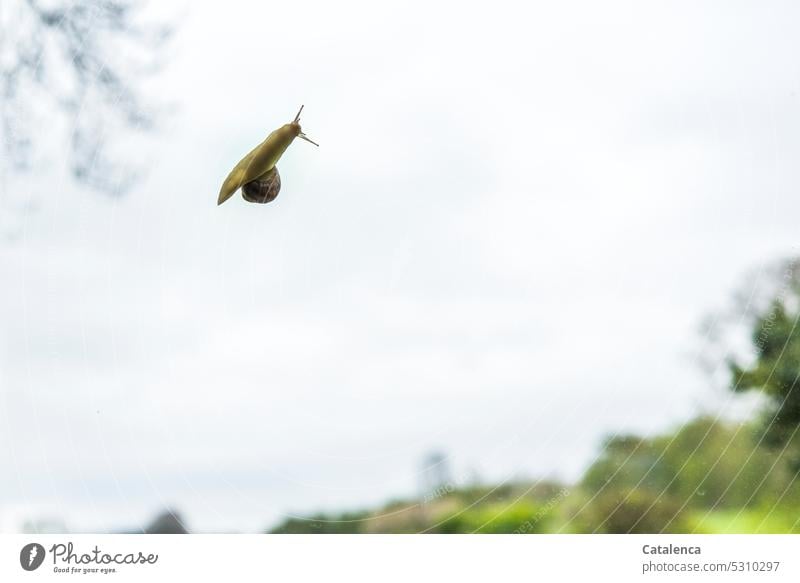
79,63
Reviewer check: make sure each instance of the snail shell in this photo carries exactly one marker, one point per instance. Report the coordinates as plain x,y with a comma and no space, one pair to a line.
263,189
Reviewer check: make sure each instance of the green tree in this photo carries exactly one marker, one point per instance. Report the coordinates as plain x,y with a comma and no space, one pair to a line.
775,368
659,483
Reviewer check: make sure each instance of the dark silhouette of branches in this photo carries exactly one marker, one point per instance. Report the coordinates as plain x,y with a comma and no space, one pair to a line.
75,67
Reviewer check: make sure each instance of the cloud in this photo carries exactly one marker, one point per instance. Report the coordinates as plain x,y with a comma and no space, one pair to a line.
515,220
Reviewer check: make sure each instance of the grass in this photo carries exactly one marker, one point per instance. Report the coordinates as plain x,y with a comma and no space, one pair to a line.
746,521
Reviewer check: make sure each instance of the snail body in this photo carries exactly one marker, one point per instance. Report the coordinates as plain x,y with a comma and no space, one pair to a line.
256,174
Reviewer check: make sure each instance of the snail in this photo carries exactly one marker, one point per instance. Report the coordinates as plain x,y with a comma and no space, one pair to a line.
256,174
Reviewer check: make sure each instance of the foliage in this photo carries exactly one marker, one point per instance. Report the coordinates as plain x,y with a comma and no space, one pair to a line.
524,517
776,371
321,523
506,508
706,476
637,511
705,463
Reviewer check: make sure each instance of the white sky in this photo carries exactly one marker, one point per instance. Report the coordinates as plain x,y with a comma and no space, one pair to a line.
517,218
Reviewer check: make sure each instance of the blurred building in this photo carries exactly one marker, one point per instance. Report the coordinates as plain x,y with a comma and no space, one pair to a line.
435,474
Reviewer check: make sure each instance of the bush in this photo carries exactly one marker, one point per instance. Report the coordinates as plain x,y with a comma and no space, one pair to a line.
637,511
523,517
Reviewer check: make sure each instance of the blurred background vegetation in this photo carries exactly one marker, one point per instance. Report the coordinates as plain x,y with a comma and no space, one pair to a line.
710,475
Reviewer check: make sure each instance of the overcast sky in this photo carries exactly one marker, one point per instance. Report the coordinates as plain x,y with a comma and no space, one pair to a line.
518,216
